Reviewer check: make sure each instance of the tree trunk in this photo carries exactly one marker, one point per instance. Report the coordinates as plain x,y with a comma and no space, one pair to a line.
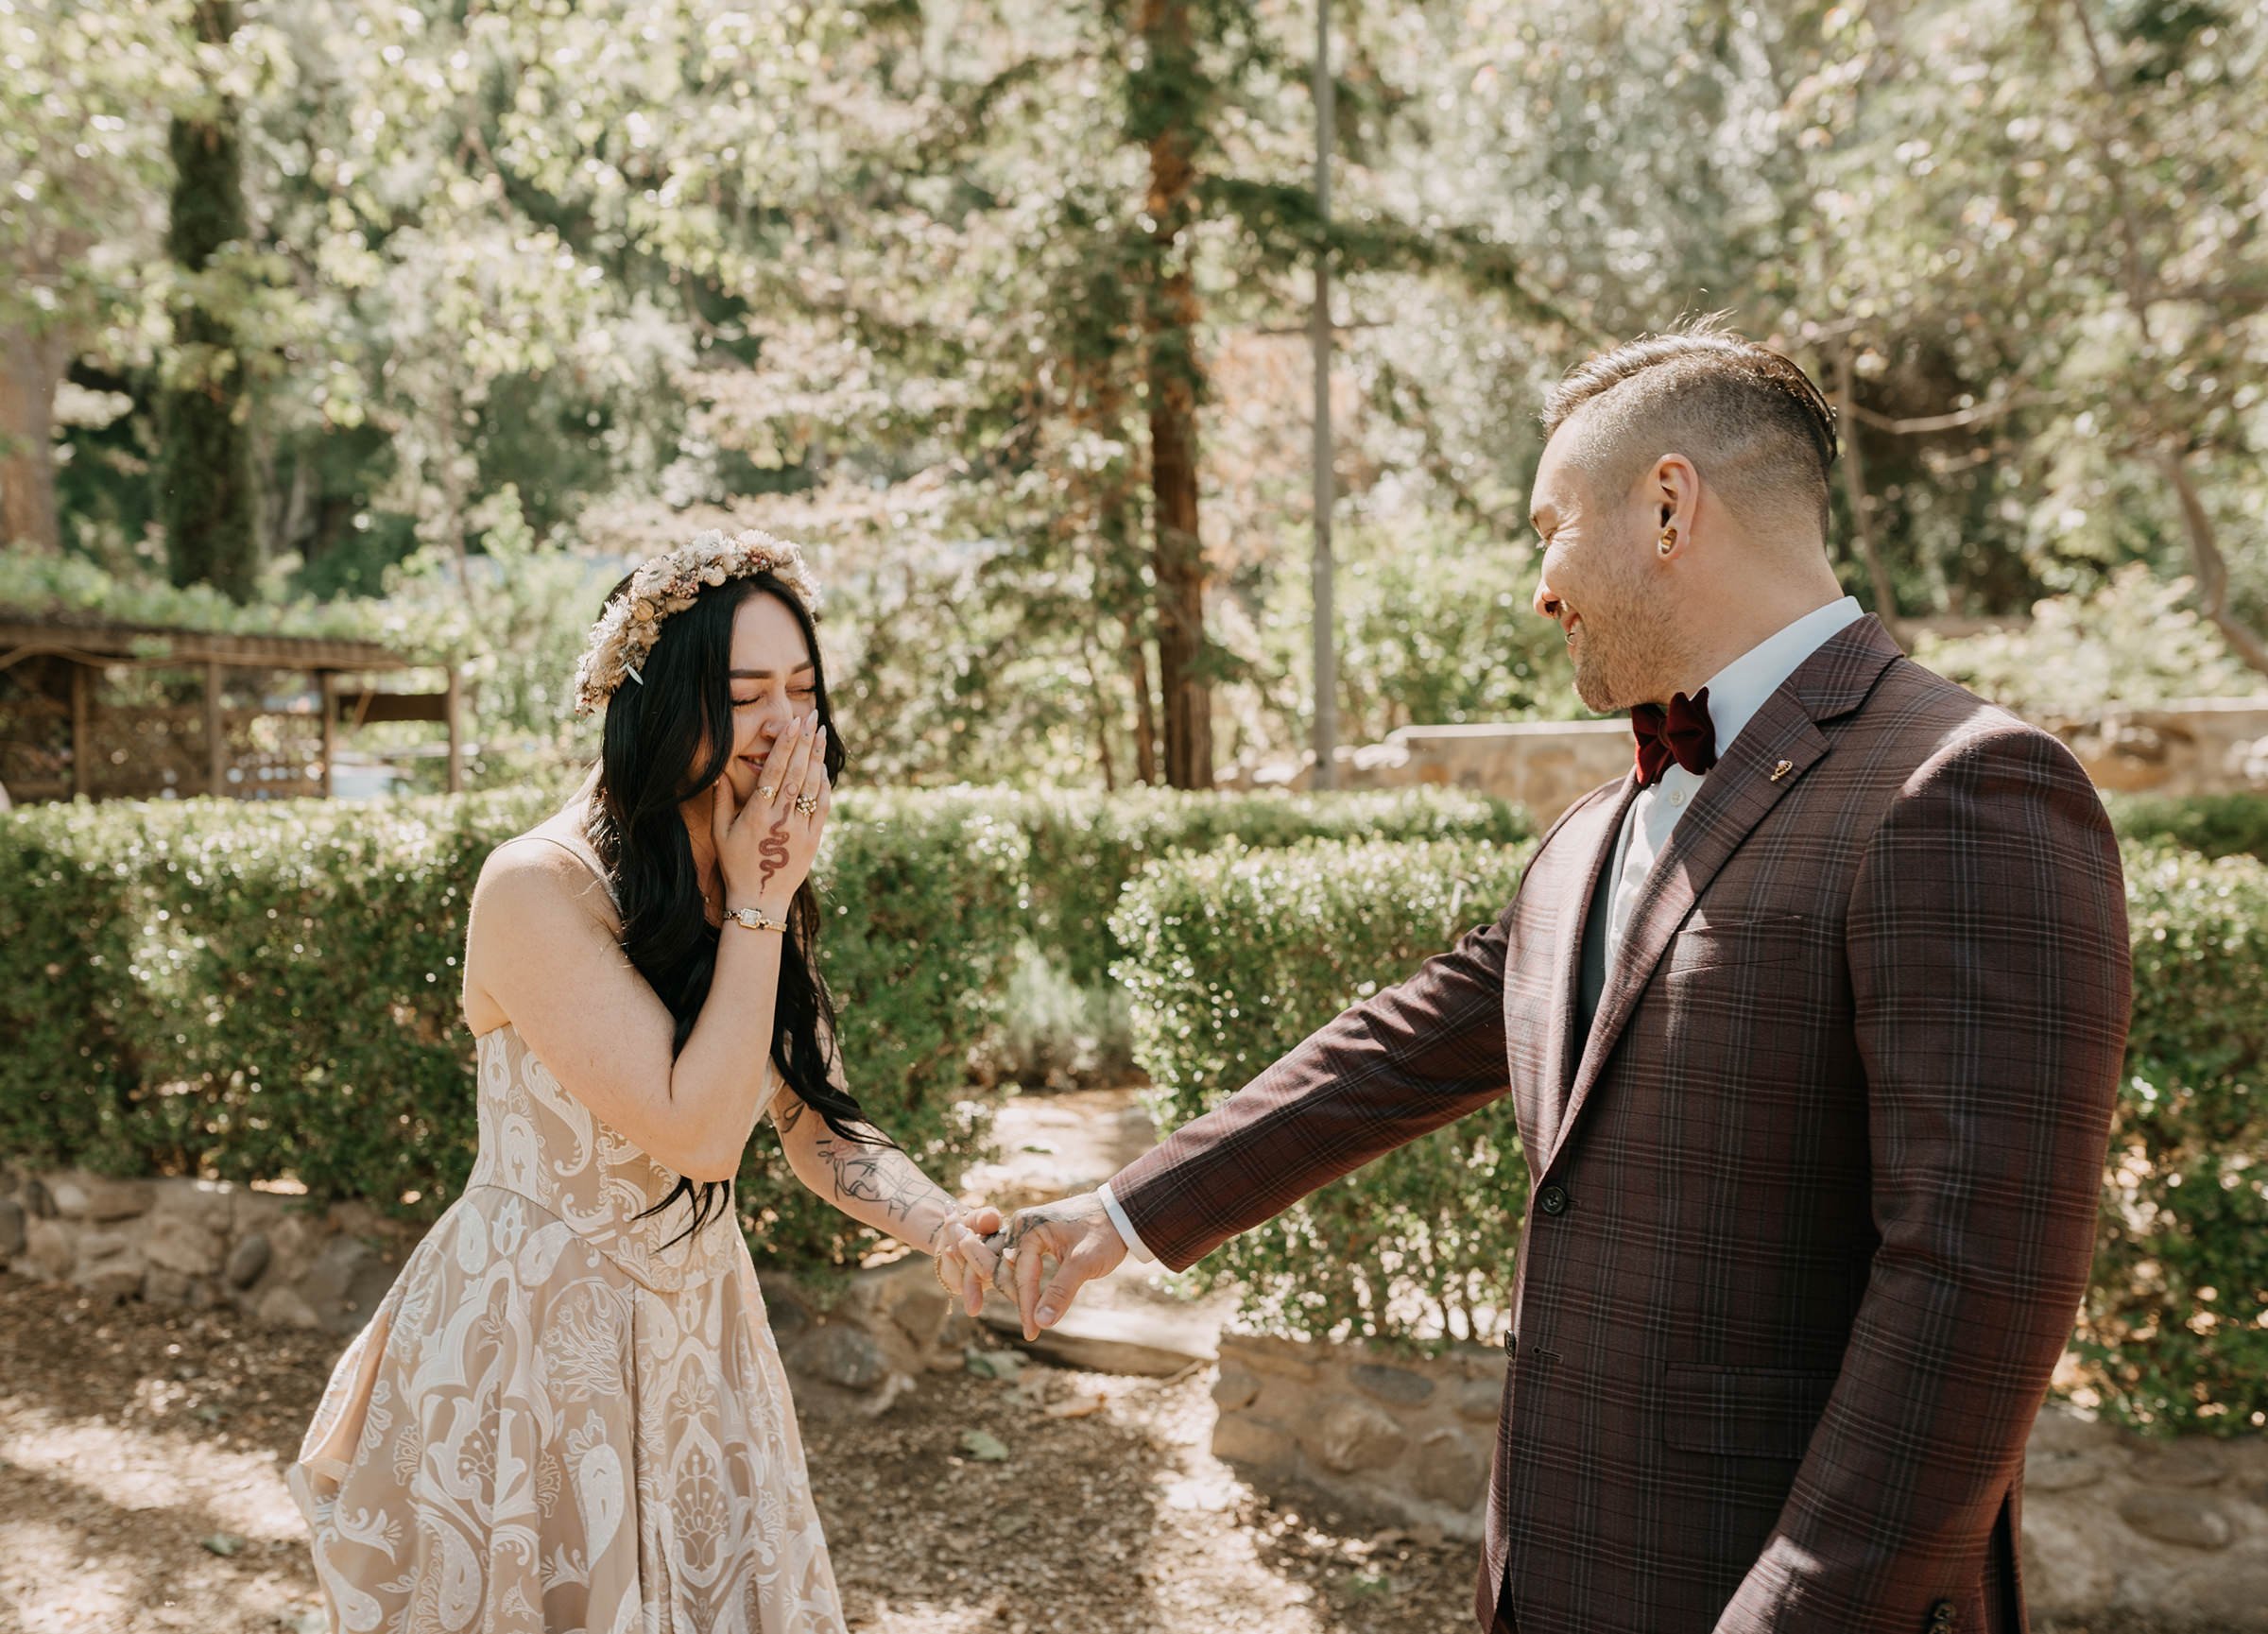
207,497
2210,565
1854,489
1145,712
31,366
1163,96
1102,711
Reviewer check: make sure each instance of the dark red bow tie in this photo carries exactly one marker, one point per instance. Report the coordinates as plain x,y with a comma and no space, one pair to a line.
1683,732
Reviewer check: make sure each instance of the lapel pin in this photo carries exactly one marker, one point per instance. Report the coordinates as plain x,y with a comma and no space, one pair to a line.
1782,769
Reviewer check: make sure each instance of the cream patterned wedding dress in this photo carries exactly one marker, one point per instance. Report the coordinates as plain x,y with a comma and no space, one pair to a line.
555,1423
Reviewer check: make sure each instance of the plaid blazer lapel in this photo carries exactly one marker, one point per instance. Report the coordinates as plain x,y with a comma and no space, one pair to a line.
1746,783
1592,834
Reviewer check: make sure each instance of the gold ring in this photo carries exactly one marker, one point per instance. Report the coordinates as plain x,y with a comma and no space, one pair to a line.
807,804
768,790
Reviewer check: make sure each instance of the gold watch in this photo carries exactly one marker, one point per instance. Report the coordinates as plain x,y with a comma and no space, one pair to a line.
756,920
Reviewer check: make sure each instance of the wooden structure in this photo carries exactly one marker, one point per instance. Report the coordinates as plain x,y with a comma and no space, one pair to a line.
113,711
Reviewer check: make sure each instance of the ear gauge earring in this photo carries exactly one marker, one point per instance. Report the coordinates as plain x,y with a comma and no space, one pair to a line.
1668,541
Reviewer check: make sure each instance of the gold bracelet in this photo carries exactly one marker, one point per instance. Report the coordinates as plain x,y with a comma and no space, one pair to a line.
755,920
937,1264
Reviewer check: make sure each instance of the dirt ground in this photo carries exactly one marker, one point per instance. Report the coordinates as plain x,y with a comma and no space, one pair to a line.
140,1489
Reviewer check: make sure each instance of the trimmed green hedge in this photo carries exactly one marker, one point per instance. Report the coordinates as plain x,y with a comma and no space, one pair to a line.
261,990
252,991
1234,958
1085,848
2220,825
2175,1330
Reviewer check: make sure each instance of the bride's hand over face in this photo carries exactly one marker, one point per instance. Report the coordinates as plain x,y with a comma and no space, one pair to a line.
767,843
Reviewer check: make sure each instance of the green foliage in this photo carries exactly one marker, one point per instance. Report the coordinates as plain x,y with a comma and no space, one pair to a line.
2212,825
68,588
2175,1326
1434,629
907,291
1086,846
251,991
205,468
2134,641
69,925
1234,957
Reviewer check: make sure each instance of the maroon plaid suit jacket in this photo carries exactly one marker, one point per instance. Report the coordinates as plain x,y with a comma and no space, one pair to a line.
1812,1205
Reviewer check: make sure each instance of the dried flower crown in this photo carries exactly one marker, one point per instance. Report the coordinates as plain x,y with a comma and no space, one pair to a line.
669,583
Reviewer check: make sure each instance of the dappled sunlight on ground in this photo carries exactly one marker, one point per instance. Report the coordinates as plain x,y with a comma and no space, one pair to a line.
140,1489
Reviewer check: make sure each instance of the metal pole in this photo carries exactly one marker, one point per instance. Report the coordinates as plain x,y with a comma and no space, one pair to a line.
1327,668
453,707
326,686
217,733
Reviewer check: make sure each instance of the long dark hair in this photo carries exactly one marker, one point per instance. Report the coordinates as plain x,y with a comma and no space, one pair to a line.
664,742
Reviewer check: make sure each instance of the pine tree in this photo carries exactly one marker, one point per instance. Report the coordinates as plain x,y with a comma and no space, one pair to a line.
205,469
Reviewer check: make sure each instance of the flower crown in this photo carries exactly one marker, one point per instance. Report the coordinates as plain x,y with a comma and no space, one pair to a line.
627,630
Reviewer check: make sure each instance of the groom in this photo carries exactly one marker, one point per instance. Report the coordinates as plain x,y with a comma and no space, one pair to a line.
1813,1023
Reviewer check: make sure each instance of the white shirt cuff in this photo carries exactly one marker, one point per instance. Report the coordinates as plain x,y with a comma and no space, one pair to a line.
1125,1226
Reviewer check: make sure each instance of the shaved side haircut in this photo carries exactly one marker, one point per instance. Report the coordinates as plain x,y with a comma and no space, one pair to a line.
1749,419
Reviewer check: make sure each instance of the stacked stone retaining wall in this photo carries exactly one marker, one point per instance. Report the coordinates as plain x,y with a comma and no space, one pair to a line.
2171,1533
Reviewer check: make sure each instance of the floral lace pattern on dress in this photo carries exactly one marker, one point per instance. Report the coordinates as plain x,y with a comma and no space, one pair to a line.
558,1419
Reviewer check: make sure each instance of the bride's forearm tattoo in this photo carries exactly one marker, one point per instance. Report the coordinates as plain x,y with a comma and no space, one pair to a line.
888,1187
881,1176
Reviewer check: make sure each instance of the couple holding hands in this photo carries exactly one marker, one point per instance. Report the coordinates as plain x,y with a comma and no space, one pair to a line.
1813,1023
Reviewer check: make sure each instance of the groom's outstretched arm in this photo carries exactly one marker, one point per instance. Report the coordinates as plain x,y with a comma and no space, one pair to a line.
1395,1067
1989,966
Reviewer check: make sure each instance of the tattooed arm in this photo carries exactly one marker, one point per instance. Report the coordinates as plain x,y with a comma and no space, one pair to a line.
879,1186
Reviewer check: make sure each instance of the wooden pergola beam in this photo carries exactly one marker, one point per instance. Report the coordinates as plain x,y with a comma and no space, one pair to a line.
86,647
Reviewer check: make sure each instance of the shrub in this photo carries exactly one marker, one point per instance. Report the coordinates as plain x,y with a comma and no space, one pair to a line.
68,930
1068,1020
1086,848
1234,957
259,990
2175,1327
2220,825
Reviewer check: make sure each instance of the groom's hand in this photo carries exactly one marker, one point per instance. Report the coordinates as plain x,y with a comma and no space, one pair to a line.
1075,1238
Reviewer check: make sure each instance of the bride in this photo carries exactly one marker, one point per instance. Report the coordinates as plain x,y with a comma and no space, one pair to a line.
563,1415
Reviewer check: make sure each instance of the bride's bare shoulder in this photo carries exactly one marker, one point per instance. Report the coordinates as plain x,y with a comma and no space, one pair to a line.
531,875
539,897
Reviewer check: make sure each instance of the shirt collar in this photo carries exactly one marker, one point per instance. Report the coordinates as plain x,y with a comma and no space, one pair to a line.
1741,688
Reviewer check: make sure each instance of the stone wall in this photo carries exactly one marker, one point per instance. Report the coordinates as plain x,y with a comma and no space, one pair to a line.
2209,746
2172,1532
1402,1439
197,1243
855,1344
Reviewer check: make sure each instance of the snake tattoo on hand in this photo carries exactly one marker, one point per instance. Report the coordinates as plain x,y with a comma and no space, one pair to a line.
773,851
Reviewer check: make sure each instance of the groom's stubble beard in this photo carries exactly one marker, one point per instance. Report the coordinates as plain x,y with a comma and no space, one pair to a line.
1632,650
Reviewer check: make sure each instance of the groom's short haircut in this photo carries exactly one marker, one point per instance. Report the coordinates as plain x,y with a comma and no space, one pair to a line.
1749,419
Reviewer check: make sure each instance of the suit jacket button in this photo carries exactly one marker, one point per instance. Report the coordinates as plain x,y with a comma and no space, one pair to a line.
1511,1344
1941,1615
1552,1200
